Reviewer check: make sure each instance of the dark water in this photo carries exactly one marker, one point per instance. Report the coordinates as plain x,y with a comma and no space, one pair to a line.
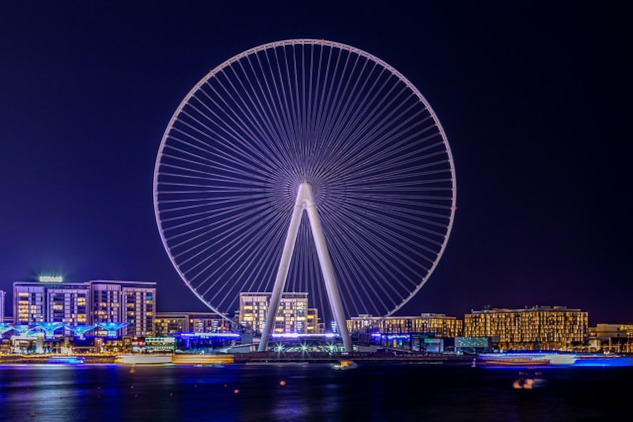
314,392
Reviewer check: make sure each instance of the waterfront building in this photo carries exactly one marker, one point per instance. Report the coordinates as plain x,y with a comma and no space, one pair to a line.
293,315
139,310
536,328
190,322
170,322
105,299
614,338
124,301
36,302
51,300
208,322
67,302
439,325
28,302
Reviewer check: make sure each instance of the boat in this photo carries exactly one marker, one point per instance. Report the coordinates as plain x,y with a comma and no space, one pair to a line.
515,362
66,360
526,359
143,359
202,360
344,364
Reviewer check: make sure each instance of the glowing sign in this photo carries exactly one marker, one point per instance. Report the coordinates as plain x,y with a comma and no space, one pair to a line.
51,278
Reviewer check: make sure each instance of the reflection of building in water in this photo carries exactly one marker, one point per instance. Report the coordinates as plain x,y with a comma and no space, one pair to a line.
536,328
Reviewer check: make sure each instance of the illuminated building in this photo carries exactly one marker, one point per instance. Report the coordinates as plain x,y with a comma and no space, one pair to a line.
439,325
159,344
67,303
139,310
614,338
124,301
208,322
170,322
293,315
28,302
190,322
540,327
51,300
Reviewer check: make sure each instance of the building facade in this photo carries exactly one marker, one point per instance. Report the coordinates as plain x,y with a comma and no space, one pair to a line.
190,322
170,322
28,302
536,328
208,322
87,303
293,315
438,325
613,338
68,303
140,309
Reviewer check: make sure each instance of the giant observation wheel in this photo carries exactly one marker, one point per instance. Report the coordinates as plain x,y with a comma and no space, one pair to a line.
293,124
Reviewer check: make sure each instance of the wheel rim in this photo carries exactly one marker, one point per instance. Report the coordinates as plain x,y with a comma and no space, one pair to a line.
283,113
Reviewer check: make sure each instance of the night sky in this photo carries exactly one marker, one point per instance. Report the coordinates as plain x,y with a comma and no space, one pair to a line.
535,101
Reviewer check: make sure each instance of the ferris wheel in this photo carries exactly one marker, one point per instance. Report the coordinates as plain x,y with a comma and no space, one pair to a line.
305,166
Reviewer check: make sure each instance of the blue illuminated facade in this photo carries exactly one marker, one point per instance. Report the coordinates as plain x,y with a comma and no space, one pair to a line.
5,327
81,330
82,308
112,328
49,328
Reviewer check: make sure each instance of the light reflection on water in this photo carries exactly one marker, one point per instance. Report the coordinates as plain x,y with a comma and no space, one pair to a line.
311,392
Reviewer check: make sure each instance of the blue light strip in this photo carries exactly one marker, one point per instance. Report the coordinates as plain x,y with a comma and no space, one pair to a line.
205,335
304,336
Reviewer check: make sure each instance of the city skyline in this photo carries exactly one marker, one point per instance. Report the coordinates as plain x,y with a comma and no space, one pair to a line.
533,103
251,310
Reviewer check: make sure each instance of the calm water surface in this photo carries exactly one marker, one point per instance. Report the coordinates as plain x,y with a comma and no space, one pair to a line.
313,392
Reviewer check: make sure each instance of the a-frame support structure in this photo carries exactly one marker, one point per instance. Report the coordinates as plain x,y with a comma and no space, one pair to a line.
305,202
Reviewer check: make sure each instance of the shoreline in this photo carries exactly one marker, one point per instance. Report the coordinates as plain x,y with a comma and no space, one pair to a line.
253,357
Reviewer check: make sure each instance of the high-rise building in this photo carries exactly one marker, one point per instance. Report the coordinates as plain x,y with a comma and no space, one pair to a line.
28,302
105,300
125,301
139,310
87,303
439,325
539,327
67,302
293,315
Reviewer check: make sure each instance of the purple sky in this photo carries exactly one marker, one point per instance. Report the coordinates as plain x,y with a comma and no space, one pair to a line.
535,102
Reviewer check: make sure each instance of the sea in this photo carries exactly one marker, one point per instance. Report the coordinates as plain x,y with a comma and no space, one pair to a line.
311,392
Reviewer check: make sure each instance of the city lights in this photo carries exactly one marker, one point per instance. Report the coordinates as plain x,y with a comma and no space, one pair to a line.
51,279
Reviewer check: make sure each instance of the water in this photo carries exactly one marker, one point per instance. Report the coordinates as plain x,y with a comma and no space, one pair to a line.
314,392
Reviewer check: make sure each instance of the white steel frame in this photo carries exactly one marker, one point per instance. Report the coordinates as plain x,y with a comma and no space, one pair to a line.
305,195
305,202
